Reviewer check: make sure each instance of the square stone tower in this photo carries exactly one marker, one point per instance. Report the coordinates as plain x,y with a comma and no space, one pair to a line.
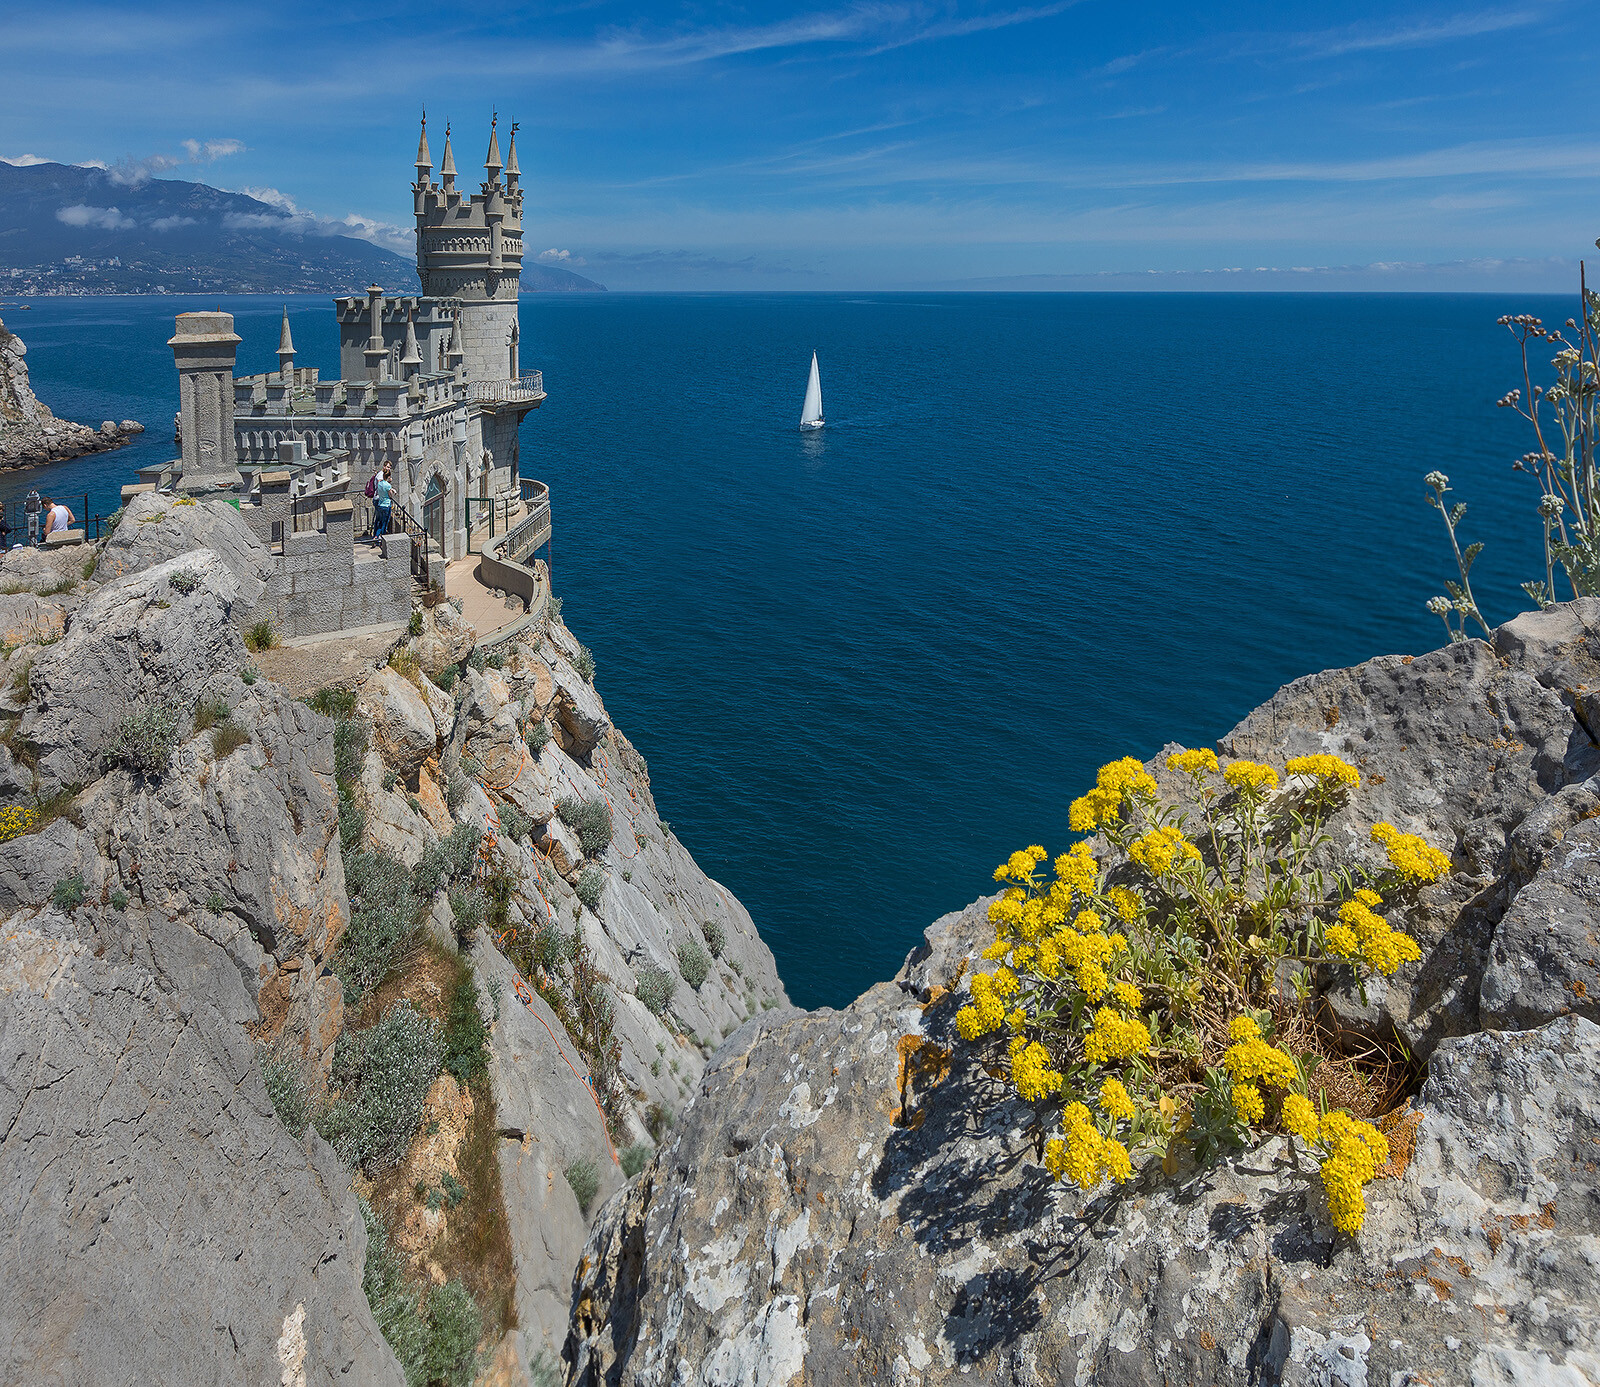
204,348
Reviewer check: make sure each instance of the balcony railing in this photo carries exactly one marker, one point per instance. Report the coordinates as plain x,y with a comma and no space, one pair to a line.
528,386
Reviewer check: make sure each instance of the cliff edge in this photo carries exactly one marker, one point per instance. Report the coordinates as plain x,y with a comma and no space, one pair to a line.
29,432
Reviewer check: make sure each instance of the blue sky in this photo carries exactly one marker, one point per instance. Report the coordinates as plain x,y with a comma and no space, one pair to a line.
883,144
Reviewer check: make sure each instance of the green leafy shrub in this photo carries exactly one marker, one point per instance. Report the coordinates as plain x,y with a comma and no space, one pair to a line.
694,963
393,1305
589,819
514,824
478,661
144,740
352,824
655,988
415,626
210,712
280,1071
553,947
384,1074
450,859
249,674
545,1370
716,940
215,904
383,916
349,749
119,899
636,1158
466,1036
227,737
496,659
584,664
455,1324
468,905
455,791
658,1120
454,1191
537,737
68,892
591,886
263,635
446,677
334,701
184,580
584,1178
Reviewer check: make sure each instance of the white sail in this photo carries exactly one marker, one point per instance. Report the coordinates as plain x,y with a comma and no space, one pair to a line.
811,414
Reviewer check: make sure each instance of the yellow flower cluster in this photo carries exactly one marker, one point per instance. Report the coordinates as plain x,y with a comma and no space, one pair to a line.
1019,866
1115,1101
1250,1059
1125,903
1251,776
1409,855
1160,848
1101,805
1076,870
1031,1071
1195,763
1328,769
987,1011
1115,1037
1362,933
1248,1103
15,820
1083,1155
1300,1118
1355,1151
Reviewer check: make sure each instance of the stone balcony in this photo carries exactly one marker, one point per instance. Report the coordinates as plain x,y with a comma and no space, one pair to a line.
527,388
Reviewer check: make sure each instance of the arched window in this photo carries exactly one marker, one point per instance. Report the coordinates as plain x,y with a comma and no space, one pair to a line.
514,339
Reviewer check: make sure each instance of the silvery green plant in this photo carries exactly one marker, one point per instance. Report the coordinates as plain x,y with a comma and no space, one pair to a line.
1460,606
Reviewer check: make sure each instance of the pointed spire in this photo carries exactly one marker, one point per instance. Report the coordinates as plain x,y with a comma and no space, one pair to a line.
455,353
448,168
491,160
512,171
424,158
413,356
285,348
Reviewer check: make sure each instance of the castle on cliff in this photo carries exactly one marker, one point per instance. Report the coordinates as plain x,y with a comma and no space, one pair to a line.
431,385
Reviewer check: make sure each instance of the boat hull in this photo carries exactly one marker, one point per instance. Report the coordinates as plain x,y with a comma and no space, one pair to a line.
814,424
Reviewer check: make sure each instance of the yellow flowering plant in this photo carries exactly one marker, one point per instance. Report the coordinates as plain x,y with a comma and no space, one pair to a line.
1137,982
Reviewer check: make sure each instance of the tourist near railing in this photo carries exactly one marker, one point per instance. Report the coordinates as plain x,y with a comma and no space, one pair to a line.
528,386
14,521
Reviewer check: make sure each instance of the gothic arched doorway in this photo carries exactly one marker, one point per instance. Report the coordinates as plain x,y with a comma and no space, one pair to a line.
433,511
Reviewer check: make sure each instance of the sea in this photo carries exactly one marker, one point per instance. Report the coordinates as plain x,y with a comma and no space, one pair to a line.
1038,532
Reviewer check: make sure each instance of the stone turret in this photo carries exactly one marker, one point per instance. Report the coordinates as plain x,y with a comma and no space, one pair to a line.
285,350
204,347
469,249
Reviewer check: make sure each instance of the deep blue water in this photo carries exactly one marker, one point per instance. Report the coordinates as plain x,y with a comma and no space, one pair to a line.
1037,533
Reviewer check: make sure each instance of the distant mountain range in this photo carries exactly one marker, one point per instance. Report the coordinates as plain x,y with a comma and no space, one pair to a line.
71,230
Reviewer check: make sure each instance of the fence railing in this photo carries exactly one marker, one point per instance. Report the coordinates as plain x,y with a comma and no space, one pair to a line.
528,386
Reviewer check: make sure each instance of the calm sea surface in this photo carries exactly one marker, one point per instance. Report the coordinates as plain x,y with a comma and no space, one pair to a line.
1038,532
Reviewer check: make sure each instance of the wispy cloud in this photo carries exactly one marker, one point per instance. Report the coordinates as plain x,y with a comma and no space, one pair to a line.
288,216
1418,33
209,151
94,218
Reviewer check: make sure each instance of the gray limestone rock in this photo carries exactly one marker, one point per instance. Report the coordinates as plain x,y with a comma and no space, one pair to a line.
852,1198
447,638
155,528
579,718
1545,958
136,644
402,724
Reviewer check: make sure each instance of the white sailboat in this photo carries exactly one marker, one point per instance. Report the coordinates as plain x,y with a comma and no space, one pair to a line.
811,414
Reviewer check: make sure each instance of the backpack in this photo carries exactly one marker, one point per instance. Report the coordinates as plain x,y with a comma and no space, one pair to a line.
372,486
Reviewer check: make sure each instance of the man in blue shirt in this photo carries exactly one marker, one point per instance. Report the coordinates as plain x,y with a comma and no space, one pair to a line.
383,503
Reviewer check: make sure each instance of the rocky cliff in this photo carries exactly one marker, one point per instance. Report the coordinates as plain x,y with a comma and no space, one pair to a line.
29,432
328,1024
858,1196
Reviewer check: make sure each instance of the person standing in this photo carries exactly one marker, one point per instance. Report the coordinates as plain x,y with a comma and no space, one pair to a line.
57,517
383,503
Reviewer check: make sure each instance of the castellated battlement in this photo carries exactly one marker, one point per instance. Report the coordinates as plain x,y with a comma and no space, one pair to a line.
469,244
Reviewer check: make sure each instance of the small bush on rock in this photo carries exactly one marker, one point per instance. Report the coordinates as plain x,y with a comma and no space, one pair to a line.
636,1158
537,737
584,664
393,1305
514,824
68,892
383,916
694,963
384,1074
585,1181
227,737
184,580
655,988
552,947
446,677
1152,1008
716,940
249,674
591,886
466,1036
450,859
455,1324
352,825
589,819
415,626
16,820
263,635
455,791
144,740
334,701
468,905
210,712
280,1071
